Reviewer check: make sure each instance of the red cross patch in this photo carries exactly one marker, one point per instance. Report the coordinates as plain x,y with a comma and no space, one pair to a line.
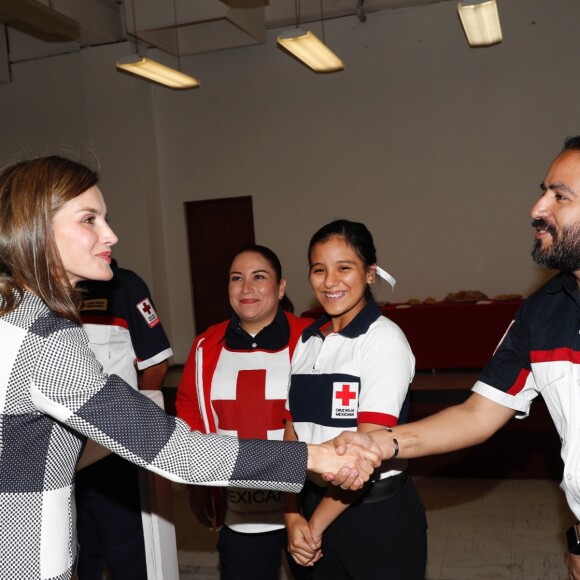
147,311
344,400
251,414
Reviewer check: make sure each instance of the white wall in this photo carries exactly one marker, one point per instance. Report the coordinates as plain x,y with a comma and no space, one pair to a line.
437,147
78,105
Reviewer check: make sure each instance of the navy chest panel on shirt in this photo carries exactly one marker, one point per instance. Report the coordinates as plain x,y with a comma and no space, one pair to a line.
328,400
556,324
543,340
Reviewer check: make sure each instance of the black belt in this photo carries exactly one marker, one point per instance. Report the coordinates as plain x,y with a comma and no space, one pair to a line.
379,490
385,488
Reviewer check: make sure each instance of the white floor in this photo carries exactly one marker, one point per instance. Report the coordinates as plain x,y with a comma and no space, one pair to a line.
478,529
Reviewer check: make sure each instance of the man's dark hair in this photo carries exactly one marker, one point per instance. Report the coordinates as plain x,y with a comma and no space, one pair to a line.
572,143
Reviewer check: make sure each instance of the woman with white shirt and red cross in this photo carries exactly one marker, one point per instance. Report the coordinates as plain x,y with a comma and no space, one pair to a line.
351,371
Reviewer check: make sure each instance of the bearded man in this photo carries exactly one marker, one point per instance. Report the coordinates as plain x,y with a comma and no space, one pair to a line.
540,354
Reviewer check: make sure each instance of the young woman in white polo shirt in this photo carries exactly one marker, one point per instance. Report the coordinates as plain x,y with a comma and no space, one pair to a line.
351,370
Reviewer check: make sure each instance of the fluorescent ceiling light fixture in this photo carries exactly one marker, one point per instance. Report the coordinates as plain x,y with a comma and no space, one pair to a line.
157,72
310,50
480,22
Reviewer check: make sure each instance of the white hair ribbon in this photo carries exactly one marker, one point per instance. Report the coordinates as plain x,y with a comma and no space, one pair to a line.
386,276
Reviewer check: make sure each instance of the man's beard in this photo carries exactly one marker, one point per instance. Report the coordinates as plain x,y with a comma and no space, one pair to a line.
564,251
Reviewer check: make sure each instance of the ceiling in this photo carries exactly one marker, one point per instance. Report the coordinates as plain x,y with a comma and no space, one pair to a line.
179,27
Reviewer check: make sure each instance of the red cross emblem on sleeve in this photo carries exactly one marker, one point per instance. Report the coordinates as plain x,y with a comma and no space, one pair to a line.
147,311
345,395
344,400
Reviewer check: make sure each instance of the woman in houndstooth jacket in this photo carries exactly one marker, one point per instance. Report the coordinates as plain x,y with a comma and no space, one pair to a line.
54,395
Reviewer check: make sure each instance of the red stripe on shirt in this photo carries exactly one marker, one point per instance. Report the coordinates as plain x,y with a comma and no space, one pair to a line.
377,418
557,354
544,356
520,382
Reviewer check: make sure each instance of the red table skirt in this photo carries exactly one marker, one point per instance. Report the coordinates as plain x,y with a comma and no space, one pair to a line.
450,335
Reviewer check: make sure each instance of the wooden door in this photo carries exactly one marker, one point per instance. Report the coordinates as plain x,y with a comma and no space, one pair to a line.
217,229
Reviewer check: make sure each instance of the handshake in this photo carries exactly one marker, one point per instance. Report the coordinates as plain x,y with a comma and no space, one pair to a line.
349,460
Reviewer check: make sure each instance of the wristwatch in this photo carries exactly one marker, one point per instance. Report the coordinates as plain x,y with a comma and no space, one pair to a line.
573,540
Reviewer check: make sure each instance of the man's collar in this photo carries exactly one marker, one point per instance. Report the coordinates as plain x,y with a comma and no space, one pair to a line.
570,284
562,281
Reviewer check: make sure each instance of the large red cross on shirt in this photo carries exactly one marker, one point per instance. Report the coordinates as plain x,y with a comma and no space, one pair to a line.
250,413
346,395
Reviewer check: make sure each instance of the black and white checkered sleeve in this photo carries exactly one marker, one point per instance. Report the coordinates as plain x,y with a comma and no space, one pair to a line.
69,385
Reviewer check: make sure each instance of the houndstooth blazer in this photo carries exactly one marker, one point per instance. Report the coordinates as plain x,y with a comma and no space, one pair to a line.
54,394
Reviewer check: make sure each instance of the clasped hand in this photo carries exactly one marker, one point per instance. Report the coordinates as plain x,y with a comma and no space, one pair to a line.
304,545
347,461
